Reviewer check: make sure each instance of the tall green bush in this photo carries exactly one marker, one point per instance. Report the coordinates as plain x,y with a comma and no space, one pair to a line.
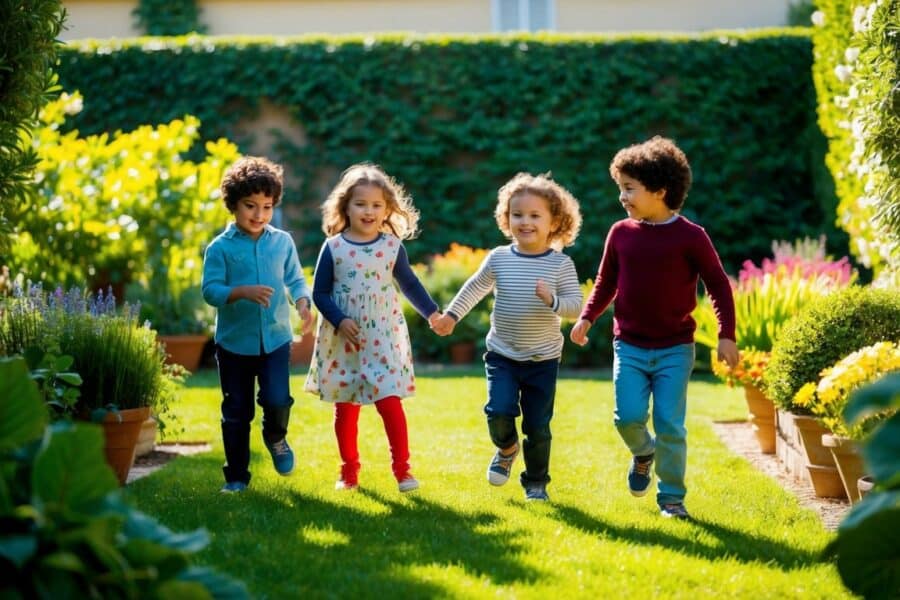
857,57
454,117
824,332
28,48
125,208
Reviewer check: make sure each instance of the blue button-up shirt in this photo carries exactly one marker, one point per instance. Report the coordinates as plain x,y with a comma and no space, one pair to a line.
234,258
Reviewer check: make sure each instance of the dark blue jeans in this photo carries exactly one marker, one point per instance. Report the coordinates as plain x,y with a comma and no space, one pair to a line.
238,374
529,386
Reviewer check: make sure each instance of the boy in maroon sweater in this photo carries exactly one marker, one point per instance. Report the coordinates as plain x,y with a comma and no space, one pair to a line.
651,265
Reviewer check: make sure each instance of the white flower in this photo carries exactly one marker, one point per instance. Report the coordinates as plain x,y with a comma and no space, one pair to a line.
818,18
851,54
842,72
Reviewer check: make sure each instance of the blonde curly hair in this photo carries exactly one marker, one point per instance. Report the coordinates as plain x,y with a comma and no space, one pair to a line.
402,217
563,206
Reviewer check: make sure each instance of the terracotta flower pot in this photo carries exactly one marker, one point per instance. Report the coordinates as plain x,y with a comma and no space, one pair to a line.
121,430
823,473
849,462
864,485
184,350
302,349
462,353
147,437
762,418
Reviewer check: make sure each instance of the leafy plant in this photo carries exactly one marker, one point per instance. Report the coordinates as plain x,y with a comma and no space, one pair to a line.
66,531
168,17
27,81
749,369
866,549
828,398
120,362
57,385
825,331
125,208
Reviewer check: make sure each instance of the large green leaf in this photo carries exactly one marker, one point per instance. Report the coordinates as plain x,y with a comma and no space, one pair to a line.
874,398
220,586
868,546
17,549
882,452
140,525
70,470
22,413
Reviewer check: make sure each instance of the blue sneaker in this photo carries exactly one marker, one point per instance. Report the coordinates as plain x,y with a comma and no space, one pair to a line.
282,456
537,492
675,511
498,470
233,487
640,475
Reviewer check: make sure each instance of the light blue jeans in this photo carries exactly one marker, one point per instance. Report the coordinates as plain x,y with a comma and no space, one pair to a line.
664,372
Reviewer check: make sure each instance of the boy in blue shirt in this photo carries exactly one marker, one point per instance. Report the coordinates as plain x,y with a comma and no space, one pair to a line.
246,270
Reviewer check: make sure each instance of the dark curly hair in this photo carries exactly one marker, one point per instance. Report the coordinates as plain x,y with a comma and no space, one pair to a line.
252,175
658,164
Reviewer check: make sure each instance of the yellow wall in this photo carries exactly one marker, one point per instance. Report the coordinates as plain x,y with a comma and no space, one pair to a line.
112,18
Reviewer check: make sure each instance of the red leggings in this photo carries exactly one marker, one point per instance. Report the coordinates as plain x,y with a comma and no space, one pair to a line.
346,419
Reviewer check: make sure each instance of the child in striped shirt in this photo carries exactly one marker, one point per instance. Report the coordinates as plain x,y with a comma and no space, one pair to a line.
534,285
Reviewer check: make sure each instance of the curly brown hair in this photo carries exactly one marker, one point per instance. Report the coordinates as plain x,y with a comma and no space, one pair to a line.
658,164
402,217
563,206
252,175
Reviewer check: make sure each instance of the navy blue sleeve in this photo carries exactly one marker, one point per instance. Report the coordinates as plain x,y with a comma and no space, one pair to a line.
323,285
411,287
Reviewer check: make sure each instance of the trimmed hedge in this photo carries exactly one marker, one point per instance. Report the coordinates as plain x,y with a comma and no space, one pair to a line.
455,117
824,332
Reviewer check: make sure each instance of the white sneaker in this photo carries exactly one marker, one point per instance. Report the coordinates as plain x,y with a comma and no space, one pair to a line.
409,484
498,470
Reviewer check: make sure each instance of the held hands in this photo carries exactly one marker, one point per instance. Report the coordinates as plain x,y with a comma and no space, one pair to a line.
579,332
442,324
542,291
728,352
305,316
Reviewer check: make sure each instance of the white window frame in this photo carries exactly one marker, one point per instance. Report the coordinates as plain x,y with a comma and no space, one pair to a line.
525,16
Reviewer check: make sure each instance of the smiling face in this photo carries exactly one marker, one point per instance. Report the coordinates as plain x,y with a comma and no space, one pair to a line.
366,211
640,203
530,223
252,213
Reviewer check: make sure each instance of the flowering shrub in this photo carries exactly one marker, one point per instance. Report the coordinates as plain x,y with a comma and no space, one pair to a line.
766,297
827,398
748,370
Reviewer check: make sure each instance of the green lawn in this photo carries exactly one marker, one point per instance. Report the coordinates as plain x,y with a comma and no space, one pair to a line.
459,537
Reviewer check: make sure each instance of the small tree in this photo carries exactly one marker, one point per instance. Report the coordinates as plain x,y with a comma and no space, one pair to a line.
28,30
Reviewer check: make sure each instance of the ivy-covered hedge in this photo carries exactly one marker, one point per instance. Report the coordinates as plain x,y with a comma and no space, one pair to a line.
857,77
455,117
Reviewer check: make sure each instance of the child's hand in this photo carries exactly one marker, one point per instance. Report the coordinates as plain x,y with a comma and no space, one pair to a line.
728,352
443,325
305,316
542,291
257,293
350,331
579,332
433,317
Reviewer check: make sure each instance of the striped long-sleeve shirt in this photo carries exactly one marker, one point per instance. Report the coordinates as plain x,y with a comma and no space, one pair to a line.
522,326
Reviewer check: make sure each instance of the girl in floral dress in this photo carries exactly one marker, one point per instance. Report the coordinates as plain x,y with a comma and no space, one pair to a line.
362,354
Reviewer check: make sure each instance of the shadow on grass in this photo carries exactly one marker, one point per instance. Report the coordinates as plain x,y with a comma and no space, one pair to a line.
291,544
731,543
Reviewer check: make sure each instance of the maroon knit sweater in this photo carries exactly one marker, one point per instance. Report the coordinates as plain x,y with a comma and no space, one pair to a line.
652,271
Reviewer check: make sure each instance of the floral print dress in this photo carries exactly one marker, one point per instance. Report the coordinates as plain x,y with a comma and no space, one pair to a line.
364,290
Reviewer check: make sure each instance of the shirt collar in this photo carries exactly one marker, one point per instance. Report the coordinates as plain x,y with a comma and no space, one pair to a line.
232,230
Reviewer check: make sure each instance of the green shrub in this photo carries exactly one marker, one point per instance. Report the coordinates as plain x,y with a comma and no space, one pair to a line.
168,17
825,331
125,209
28,31
120,362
